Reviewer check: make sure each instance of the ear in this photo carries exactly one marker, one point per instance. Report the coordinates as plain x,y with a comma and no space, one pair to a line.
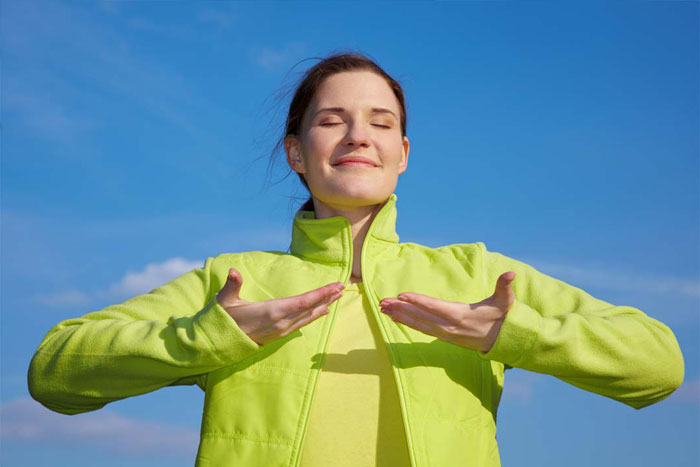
404,160
293,149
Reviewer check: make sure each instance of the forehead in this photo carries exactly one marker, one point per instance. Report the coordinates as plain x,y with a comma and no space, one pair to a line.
351,89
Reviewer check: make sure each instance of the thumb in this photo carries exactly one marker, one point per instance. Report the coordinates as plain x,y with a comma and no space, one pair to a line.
229,293
504,295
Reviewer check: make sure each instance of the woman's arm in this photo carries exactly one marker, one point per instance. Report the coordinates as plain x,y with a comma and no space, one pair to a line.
169,336
558,329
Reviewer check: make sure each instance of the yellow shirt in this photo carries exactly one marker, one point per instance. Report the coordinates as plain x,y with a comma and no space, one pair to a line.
355,416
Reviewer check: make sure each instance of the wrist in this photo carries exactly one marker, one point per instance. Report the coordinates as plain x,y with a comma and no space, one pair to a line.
493,332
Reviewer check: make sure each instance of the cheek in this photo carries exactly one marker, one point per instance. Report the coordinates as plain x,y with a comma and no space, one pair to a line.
393,154
321,140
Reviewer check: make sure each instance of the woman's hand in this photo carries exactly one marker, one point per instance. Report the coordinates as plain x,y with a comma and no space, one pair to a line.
269,320
474,326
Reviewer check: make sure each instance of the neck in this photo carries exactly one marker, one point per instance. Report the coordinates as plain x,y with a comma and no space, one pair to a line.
360,218
329,240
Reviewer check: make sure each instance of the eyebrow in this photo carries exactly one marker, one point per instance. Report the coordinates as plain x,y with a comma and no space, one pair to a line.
375,110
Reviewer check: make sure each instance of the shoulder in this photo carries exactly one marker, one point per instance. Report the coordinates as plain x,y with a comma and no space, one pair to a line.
463,254
254,259
454,249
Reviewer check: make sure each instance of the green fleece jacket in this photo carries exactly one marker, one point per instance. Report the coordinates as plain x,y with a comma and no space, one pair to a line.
257,398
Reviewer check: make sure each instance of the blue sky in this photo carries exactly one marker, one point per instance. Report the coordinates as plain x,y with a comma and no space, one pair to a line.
135,143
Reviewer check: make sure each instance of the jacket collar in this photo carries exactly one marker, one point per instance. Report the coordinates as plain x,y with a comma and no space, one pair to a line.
329,240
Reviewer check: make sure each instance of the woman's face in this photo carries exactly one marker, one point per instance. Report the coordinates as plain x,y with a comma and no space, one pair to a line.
353,115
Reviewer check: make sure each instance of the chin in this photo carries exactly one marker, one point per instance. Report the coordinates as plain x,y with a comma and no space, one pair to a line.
354,193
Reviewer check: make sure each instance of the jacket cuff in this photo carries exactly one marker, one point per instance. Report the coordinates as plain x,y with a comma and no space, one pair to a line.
228,341
516,337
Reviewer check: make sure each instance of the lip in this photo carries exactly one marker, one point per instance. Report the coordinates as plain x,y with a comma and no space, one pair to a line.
354,160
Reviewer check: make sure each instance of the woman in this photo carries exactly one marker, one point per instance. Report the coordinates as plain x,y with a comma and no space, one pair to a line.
353,348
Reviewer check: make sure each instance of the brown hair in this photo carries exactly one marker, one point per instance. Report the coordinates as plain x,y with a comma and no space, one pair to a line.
312,79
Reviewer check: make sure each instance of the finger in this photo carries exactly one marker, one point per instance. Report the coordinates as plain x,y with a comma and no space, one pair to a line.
229,293
504,288
414,312
316,308
504,280
435,306
307,300
305,317
404,318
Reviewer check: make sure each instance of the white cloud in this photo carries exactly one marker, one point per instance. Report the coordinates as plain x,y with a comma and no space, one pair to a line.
152,276
25,419
49,239
622,281
133,283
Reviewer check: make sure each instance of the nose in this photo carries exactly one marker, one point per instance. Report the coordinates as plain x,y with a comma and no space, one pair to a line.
356,136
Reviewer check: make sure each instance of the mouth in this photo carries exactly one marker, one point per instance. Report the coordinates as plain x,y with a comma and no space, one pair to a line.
354,164
354,161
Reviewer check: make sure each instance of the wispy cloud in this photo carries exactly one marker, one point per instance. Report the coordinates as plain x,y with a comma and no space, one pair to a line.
219,17
63,243
519,386
108,6
25,419
271,59
67,297
596,273
133,283
56,47
44,115
623,281
689,392
140,23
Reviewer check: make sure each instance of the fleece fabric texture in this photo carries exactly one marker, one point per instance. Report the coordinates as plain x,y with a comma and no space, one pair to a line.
355,416
258,399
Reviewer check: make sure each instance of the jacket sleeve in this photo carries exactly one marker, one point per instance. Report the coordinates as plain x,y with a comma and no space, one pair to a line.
170,336
560,330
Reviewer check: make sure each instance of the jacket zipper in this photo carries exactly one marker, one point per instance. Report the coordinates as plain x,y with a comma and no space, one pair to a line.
296,458
394,367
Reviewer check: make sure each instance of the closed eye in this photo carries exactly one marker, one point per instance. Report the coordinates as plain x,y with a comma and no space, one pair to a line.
338,123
